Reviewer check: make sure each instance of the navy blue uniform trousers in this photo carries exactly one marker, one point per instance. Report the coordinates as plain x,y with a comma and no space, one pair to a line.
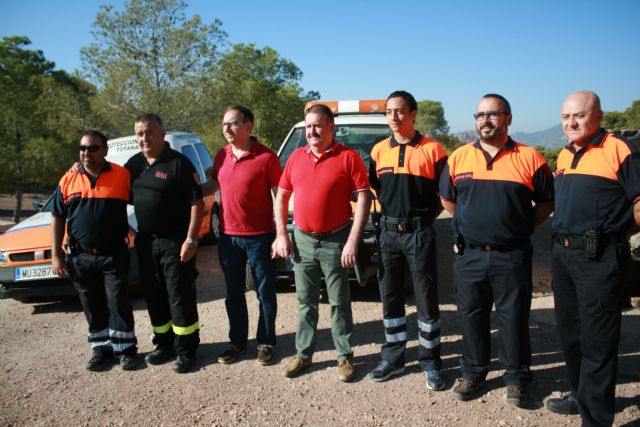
417,251
481,279
588,298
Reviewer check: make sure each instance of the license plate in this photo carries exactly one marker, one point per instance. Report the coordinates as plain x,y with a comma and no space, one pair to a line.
35,272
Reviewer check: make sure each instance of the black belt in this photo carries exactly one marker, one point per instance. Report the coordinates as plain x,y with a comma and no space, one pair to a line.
404,225
318,235
491,247
572,241
101,251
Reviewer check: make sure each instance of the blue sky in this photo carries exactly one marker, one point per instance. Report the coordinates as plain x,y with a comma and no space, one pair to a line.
533,52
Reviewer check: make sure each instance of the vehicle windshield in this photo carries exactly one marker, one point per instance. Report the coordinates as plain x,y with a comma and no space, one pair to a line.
361,138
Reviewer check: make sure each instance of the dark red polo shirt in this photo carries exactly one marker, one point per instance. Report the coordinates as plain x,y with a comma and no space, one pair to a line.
323,186
245,189
494,196
599,183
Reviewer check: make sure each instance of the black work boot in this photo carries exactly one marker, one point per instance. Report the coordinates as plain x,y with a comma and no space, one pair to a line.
566,405
184,363
97,361
159,355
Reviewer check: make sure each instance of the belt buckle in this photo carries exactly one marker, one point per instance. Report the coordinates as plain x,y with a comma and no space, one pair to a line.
487,248
93,251
400,228
565,243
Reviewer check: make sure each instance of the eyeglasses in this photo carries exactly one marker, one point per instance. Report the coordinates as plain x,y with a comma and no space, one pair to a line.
488,114
234,125
89,148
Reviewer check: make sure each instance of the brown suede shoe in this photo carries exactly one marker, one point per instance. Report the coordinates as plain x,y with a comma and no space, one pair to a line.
265,354
345,370
295,365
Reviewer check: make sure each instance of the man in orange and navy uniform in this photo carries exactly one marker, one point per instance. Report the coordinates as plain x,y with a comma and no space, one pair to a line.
404,172
598,195
93,203
490,187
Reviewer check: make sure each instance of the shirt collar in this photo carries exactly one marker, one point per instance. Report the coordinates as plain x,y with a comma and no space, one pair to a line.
596,140
414,141
106,167
330,149
253,149
510,145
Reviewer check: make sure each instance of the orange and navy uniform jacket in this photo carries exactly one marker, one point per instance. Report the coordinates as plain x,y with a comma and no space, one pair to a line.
494,196
405,176
599,183
95,208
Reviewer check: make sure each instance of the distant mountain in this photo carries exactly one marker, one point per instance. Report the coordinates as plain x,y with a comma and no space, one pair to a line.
548,138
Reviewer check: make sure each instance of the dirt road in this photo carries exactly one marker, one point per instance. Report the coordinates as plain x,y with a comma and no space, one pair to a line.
44,382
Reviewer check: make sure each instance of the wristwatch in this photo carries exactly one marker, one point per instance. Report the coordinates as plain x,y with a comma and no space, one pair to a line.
192,242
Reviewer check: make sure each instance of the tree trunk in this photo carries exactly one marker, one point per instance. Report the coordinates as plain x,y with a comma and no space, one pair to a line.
18,211
19,179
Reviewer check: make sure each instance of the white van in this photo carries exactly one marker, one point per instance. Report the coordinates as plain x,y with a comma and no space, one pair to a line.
25,249
189,144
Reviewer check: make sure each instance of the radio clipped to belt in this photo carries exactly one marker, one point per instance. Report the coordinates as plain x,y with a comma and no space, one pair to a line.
593,240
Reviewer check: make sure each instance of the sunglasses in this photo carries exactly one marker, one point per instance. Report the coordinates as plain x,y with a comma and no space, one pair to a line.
89,148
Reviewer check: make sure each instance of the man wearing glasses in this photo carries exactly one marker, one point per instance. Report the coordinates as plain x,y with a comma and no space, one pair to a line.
247,174
490,187
92,203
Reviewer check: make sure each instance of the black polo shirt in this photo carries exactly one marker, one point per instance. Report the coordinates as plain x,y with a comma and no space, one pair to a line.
162,193
599,184
95,208
406,176
494,196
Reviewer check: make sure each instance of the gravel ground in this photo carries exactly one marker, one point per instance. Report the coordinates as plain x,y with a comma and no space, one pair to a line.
44,382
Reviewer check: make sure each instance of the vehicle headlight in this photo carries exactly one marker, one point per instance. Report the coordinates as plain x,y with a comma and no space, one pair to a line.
3,258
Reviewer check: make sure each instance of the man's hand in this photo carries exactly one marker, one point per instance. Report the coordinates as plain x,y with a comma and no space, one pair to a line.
187,252
74,167
281,247
349,254
59,265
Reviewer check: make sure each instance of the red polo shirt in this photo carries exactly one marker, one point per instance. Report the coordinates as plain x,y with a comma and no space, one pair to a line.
323,186
245,189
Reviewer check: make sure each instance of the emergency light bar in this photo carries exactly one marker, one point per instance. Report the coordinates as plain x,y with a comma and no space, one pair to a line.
351,107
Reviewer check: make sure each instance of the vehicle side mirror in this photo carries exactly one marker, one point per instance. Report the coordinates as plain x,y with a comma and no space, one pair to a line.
37,204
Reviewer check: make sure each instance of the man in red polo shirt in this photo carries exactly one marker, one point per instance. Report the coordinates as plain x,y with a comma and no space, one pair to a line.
324,175
247,173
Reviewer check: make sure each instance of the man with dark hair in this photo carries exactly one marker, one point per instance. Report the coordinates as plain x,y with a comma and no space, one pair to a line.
247,173
324,176
92,201
167,198
598,195
497,190
404,172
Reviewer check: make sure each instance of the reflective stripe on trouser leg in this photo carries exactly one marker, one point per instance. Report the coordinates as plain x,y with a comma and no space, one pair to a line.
186,330
429,334
121,340
395,330
99,339
391,277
